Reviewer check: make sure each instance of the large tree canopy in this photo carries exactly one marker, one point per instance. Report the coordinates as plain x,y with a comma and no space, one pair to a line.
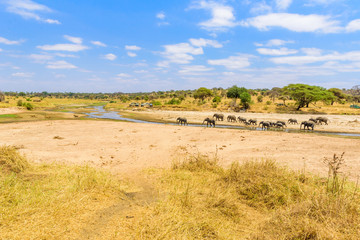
242,93
305,94
203,93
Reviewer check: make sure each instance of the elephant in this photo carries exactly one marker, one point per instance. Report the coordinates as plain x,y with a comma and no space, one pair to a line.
307,124
218,117
231,118
241,119
292,121
264,125
181,120
278,125
209,121
253,121
313,120
322,120
281,122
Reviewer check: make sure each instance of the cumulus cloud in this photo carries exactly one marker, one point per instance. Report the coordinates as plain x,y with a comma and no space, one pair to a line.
294,22
182,53
201,42
8,42
60,65
276,52
232,62
222,16
110,56
75,46
40,58
29,10
132,47
98,43
353,26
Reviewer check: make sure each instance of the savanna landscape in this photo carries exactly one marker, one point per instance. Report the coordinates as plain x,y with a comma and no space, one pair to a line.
179,120
79,176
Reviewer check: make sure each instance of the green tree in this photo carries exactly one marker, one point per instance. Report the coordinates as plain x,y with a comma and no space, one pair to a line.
202,93
241,93
305,94
339,96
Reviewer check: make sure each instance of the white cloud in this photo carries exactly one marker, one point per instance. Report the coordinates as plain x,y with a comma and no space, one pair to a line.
123,75
132,47
353,26
294,22
181,53
312,51
131,54
40,58
60,65
276,52
222,16
232,62
353,56
283,4
260,8
201,42
98,43
75,40
274,42
63,47
28,10
161,15
1,50
8,42
22,75
110,57
320,2
75,46
194,70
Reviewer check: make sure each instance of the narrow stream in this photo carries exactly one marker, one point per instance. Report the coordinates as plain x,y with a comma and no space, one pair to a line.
101,113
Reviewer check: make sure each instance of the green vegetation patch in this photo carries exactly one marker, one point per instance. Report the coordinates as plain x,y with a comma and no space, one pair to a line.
9,116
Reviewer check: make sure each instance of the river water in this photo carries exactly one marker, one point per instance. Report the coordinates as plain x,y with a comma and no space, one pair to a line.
101,113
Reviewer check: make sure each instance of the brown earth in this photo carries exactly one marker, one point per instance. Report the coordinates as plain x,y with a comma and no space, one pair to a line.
126,148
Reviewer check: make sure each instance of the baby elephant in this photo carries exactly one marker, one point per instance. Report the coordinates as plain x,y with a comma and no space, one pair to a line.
181,121
209,121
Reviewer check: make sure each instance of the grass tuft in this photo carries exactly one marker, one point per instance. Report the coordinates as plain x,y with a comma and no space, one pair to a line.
11,160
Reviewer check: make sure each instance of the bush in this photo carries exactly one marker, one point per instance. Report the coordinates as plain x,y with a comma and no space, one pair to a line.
260,98
216,99
19,103
268,102
156,103
174,101
28,106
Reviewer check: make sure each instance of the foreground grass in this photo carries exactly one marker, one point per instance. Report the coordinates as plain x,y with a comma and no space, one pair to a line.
195,199
50,201
257,200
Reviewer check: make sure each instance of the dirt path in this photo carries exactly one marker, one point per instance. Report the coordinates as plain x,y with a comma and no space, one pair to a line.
129,147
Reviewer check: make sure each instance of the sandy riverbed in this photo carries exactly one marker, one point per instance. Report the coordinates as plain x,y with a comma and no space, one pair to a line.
127,147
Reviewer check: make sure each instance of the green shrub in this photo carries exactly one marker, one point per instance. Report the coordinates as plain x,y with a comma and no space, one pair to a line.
268,102
156,103
260,98
216,99
19,103
28,106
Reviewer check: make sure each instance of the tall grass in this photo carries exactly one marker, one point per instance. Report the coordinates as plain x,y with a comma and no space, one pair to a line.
51,201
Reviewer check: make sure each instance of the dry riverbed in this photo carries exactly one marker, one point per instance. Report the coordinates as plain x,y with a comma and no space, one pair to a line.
124,147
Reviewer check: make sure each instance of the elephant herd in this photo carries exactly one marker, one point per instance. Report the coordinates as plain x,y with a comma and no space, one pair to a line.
265,125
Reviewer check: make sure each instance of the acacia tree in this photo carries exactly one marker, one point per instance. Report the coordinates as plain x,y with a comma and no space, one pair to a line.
241,93
305,94
339,96
203,93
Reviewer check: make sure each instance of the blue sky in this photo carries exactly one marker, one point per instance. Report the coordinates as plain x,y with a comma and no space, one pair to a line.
141,45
